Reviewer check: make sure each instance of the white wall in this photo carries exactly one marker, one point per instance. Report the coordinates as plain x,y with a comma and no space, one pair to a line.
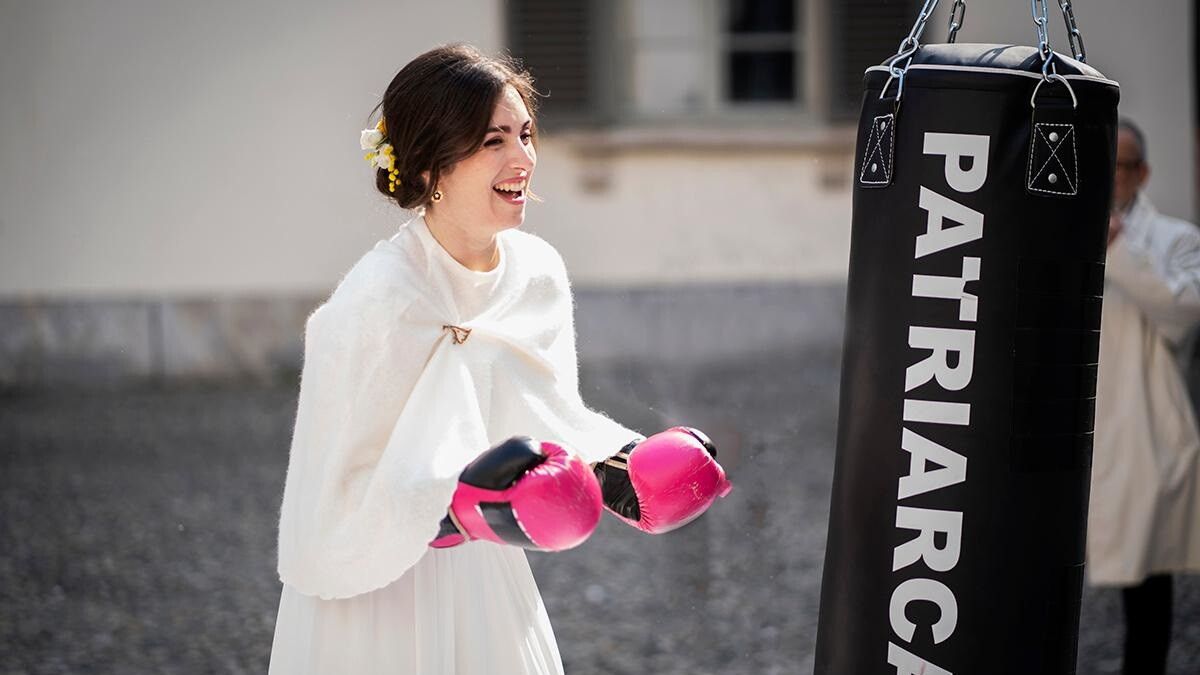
1146,46
640,213
210,149
199,147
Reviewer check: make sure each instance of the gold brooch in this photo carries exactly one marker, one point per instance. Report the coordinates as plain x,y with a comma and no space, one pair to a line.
459,333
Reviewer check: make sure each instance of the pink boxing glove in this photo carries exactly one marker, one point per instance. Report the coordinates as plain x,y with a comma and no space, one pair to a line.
534,495
663,482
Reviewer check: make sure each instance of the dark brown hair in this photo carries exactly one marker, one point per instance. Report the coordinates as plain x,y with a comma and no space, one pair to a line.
437,111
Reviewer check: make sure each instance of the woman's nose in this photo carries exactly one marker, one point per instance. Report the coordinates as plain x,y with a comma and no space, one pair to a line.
524,157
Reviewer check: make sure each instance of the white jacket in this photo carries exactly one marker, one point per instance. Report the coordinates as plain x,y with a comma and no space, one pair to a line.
1144,513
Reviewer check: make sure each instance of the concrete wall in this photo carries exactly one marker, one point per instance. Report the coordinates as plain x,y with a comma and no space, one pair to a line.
655,206
210,149
181,182
199,148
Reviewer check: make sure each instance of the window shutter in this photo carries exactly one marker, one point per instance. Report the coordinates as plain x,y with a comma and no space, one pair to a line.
865,33
554,41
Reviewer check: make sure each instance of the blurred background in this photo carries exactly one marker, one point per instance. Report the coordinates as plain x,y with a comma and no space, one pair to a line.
181,184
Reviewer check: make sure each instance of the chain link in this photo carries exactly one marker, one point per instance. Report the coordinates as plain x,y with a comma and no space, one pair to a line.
919,27
957,16
1041,21
910,44
1073,35
908,47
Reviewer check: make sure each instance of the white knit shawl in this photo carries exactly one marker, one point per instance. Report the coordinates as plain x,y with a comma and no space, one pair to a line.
391,409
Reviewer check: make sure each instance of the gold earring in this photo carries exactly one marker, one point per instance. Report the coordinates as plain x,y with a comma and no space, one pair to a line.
437,195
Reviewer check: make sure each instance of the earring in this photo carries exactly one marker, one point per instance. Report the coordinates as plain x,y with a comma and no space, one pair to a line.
437,195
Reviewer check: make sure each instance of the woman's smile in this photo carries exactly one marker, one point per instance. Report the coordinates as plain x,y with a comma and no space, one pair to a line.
512,190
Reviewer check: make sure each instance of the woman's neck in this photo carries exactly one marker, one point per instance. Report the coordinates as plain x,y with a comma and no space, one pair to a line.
476,253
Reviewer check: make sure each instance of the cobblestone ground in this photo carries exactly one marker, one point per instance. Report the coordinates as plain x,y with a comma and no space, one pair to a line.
137,533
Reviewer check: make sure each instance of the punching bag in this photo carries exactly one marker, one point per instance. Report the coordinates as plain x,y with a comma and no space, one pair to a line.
957,526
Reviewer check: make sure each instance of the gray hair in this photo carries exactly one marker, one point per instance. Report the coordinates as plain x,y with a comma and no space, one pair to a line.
1138,135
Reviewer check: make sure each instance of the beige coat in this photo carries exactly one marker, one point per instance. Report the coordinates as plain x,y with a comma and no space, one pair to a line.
1144,514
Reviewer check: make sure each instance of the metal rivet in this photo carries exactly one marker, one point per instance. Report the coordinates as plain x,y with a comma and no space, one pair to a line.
874,167
1053,136
1052,178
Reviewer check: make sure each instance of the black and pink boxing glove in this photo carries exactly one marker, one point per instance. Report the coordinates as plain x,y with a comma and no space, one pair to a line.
663,482
526,493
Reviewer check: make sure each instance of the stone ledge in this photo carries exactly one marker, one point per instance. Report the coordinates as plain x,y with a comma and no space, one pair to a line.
106,343
103,343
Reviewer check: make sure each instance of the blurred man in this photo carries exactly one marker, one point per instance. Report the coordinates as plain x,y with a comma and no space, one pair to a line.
1144,518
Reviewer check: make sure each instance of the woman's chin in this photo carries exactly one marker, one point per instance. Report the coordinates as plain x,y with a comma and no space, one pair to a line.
512,220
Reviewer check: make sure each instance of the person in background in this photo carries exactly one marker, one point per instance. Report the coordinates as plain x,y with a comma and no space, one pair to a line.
1144,513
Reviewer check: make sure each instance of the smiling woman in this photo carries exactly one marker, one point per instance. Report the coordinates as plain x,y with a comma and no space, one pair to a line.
486,191
400,536
437,111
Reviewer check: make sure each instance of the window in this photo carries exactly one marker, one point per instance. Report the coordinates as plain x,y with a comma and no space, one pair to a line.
725,62
762,55
557,41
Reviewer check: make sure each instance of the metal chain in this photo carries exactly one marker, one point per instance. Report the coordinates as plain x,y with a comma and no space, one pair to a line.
1073,34
908,47
1049,70
910,44
957,16
1041,21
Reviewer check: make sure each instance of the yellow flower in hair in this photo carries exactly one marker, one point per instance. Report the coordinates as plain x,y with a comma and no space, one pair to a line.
379,152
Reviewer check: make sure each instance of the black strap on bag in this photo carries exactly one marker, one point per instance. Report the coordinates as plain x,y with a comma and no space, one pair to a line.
983,178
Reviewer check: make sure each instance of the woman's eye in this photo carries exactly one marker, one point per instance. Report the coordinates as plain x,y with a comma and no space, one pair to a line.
525,137
492,142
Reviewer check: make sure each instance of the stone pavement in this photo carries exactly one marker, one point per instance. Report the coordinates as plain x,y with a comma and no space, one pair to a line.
137,532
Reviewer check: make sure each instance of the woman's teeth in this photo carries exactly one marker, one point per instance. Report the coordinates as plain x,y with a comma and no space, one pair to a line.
514,186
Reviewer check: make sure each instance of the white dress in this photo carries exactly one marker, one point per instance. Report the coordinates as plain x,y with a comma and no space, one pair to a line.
473,609
468,610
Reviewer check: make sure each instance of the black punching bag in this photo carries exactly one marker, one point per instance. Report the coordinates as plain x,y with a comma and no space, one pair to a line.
959,510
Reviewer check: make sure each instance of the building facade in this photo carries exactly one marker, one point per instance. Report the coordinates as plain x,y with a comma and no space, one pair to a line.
182,184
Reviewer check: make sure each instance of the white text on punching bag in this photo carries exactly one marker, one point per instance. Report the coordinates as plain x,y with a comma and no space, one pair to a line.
949,225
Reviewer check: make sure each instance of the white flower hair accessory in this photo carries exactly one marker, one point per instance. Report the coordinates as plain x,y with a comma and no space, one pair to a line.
370,139
380,153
